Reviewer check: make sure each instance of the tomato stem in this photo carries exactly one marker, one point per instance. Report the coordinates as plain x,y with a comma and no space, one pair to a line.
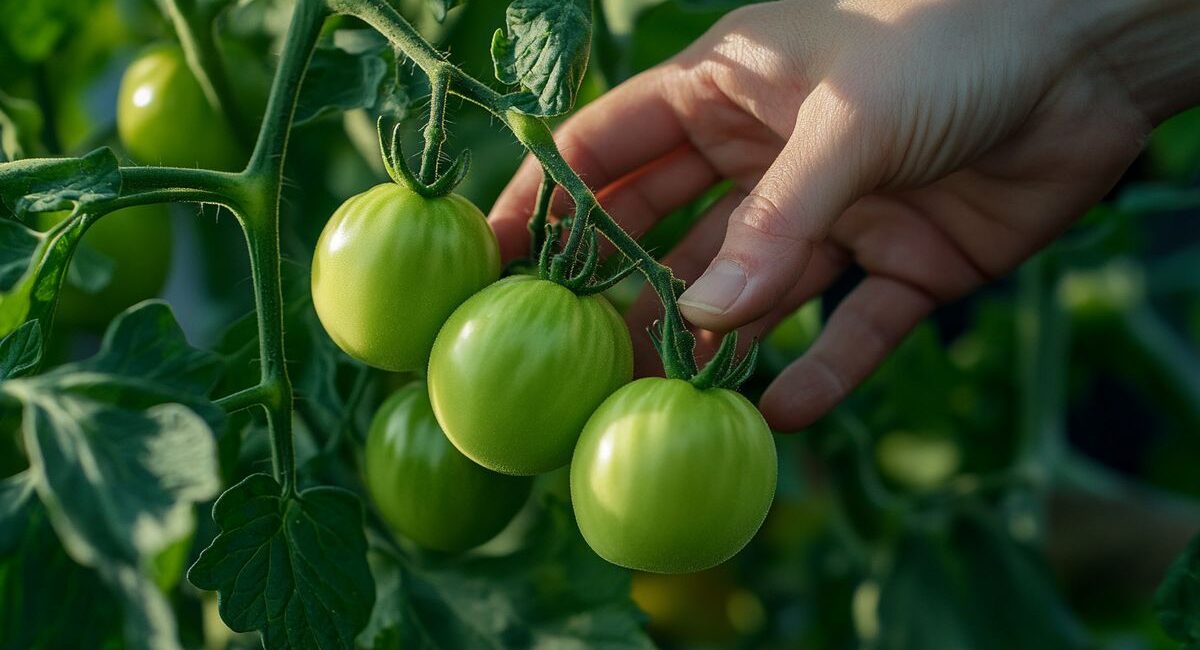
435,131
193,22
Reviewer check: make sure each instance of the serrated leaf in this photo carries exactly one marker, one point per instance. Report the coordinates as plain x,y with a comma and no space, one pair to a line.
48,184
553,592
146,342
21,351
1177,602
121,447
440,8
292,567
358,69
545,50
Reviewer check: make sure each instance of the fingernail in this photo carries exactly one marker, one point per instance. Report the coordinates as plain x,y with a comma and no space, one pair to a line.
716,290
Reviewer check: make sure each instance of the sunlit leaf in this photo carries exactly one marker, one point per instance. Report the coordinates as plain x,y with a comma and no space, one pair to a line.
545,51
293,567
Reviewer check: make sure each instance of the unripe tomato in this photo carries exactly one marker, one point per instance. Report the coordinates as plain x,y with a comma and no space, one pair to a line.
138,242
670,478
425,489
164,118
518,368
391,266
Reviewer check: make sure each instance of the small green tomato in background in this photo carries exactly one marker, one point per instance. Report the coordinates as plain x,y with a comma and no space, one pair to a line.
425,489
137,241
518,368
164,117
669,478
917,461
392,265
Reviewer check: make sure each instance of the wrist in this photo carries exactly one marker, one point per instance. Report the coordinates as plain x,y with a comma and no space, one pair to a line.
1151,47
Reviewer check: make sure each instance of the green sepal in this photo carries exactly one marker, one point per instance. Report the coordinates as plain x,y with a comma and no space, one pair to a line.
394,163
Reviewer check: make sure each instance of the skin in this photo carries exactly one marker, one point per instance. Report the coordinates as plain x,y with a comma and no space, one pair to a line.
852,138
517,370
391,266
137,241
424,488
668,478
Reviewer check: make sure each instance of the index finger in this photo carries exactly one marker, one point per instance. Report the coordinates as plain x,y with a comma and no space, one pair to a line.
622,131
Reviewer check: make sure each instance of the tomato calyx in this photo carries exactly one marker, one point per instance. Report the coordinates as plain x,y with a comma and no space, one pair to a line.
724,370
397,168
578,272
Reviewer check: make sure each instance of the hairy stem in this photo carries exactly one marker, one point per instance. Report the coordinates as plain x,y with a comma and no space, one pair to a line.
193,23
533,133
435,129
263,181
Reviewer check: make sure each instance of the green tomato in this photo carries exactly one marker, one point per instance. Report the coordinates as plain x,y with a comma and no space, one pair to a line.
425,489
392,265
669,478
164,118
517,370
917,461
137,241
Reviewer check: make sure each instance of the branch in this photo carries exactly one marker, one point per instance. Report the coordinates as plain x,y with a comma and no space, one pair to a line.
533,133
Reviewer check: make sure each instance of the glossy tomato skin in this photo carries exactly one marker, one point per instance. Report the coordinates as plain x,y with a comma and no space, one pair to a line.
164,118
137,241
669,478
425,489
518,368
391,266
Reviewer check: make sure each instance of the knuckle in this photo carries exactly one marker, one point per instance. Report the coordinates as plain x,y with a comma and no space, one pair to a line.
765,219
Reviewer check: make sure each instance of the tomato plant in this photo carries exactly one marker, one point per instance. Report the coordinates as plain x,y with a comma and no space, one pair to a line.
390,267
425,488
672,478
498,354
246,466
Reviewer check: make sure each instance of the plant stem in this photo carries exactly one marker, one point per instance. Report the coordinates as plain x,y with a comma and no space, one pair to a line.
193,23
263,182
435,129
541,213
533,133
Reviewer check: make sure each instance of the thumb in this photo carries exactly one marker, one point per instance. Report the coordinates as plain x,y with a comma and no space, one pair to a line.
770,237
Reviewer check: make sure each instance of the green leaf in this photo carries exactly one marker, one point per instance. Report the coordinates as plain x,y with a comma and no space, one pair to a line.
973,587
358,69
552,592
34,29
17,504
48,184
20,128
545,51
46,599
293,567
21,351
441,7
17,245
1177,602
121,447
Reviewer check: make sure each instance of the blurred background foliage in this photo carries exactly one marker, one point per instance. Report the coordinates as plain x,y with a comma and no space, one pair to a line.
1020,474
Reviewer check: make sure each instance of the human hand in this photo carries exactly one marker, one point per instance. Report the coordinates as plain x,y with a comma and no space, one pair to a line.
936,144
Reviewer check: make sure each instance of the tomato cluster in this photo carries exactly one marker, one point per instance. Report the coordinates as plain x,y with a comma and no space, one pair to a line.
524,376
